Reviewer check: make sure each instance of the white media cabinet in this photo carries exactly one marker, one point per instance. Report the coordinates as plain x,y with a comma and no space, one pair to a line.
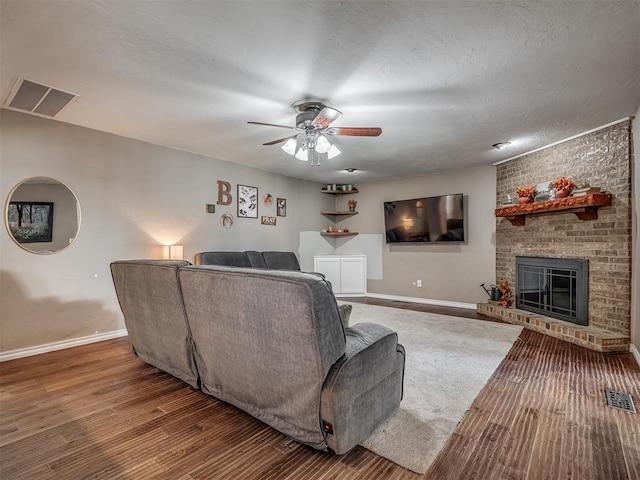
347,273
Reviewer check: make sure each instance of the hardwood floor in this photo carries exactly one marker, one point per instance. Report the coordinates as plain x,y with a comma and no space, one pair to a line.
96,411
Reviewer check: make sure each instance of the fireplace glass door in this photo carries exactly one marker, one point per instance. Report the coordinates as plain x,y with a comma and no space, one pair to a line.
555,287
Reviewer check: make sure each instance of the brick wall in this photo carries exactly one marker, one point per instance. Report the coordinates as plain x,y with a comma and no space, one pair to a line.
599,159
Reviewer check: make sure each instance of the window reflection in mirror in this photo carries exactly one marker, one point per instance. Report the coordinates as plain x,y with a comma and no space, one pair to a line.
42,215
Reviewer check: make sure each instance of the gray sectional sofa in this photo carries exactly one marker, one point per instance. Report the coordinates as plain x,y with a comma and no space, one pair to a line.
270,342
250,259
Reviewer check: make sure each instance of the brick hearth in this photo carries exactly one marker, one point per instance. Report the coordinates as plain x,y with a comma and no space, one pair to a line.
592,338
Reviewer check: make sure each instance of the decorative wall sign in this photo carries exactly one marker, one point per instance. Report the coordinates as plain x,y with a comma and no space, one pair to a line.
247,201
31,222
224,193
226,220
282,207
267,200
268,220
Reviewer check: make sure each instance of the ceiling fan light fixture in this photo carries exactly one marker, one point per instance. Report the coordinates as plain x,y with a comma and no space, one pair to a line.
323,145
290,146
311,142
333,151
303,154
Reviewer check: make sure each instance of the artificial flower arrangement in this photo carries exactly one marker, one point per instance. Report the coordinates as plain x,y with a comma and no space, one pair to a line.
352,205
526,192
563,183
505,299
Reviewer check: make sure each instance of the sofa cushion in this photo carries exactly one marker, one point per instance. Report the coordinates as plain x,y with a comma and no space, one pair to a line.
256,260
230,259
281,260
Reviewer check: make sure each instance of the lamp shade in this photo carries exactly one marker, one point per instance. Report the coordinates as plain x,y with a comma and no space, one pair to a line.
172,252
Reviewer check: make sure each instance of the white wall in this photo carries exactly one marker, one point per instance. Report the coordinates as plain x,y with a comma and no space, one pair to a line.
134,196
450,273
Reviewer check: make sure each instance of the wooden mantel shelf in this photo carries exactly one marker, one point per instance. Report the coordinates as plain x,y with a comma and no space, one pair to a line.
584,207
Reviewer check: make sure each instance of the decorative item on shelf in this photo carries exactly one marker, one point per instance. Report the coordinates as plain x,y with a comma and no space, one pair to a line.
352,205
543,192
526,194
563,186
505,299
581,192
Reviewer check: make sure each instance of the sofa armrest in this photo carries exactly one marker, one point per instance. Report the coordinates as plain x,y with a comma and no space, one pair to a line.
363,387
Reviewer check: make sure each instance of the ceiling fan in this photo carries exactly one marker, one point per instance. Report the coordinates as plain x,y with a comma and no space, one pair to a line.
312,129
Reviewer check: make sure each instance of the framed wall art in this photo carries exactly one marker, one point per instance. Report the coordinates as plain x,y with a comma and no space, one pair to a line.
247,201
31,222
282,207
268,220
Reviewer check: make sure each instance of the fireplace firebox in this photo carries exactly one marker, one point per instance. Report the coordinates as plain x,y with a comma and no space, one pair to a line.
554,287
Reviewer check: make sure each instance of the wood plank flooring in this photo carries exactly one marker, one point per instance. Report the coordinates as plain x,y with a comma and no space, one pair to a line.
96,411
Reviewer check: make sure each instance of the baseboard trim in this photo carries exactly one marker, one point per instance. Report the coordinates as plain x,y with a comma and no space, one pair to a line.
427,301
51,347
636,354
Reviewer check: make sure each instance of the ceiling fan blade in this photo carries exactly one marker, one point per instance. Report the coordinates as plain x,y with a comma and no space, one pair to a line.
281,140
355,131
272,125
326,116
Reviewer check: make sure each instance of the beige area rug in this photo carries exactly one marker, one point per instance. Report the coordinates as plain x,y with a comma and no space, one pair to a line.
448,361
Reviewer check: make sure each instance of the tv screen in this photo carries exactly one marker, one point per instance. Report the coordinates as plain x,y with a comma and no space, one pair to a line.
425,220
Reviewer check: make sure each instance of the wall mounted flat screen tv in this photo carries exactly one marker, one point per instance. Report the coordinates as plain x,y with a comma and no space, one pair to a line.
425,220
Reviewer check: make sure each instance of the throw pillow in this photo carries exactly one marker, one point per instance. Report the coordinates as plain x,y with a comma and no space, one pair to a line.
345,313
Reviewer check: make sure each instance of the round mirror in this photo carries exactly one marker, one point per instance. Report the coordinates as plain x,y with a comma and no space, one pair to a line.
42,215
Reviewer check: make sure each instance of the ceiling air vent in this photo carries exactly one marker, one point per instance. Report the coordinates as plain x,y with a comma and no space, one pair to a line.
38,99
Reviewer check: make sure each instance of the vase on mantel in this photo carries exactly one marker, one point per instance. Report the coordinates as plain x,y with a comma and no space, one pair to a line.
563,193
524,200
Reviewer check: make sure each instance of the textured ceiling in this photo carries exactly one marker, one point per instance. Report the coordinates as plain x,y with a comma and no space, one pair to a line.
444,80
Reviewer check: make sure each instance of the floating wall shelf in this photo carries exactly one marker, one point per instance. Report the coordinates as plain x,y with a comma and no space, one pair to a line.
340,192
584,207
339,213
338,234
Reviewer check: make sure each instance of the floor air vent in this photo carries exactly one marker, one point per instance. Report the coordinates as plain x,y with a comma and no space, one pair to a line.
621,401
38,99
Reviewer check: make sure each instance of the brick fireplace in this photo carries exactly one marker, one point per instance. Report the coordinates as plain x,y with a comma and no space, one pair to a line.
598,159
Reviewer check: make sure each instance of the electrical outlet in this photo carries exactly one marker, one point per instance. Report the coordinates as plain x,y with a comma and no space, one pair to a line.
419,283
